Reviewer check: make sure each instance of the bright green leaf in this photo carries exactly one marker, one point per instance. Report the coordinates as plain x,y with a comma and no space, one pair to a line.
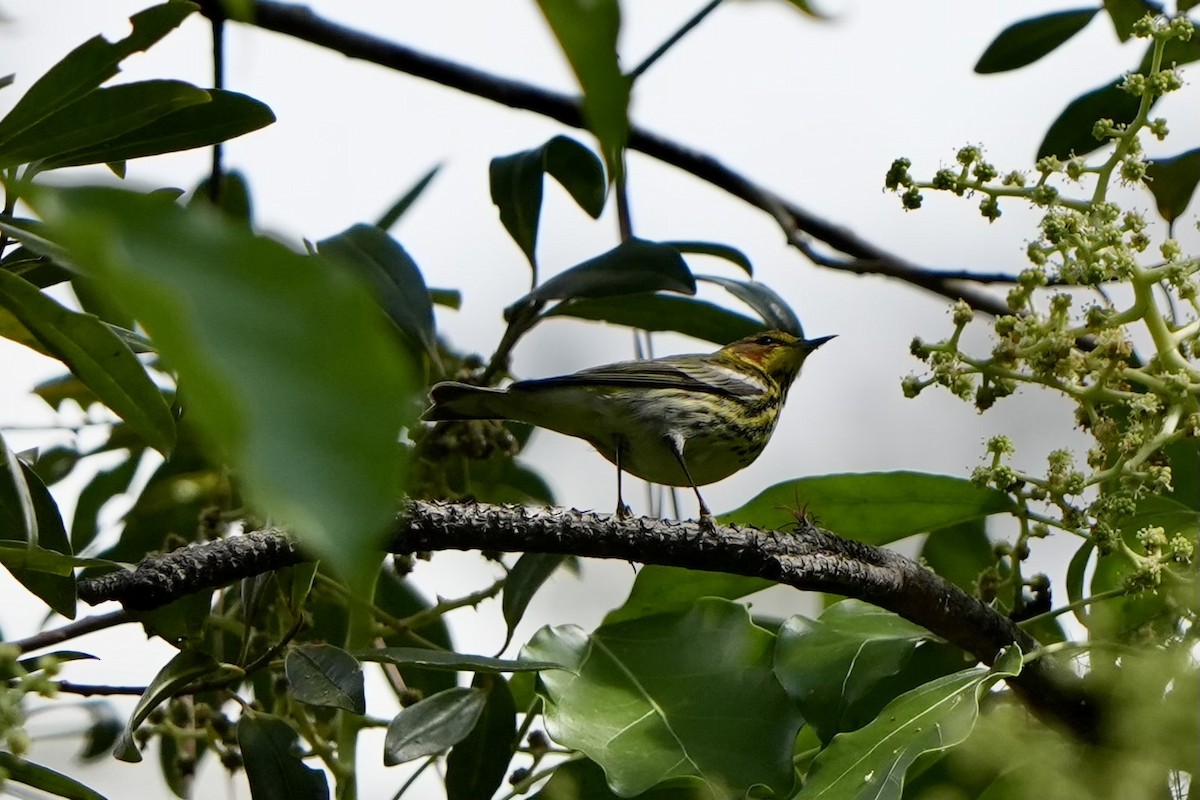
1026,41
324,675
273,766
665,590
185,667
959,552
433,725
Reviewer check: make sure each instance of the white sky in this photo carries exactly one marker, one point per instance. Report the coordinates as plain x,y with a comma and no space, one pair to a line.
816,112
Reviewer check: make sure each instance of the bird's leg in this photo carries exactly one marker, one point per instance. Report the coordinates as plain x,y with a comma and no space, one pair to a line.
675,442
623,511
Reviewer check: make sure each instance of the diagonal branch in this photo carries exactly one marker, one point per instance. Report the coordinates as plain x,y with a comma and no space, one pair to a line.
807,558
797,223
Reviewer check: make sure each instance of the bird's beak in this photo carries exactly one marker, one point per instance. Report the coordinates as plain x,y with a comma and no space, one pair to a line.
812,344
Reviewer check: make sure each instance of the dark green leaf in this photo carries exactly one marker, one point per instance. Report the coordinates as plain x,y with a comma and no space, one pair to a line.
18,770
1026,41
730,254
1071,132
959,552
522,583
433,725
272,347
48,570
103,487
18,518
477,766
1184,456
90,122
587,32
41,271
873,507
31,558
1124,13
97,355
1173,181
88,66
181,621
32,663
667,590
233,196
1076,572
621,703
584,780
631,267
185,667
871,762
324,675
273,768
774,310
657,312
55,463
398,597
450,298
396,279
398,209
225,116
7,80
103,730
445,660
516,186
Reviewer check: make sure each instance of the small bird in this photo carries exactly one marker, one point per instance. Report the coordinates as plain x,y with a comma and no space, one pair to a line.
685,420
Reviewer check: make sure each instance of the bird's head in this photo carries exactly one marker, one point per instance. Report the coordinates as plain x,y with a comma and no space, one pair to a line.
777,353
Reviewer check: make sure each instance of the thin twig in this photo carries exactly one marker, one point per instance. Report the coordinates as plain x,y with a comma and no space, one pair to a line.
674,38
73,630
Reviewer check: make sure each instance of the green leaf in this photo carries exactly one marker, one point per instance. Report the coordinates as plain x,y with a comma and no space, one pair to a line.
50,562
185,667
774,310
18,770
871,762
523,581
88,66
1184,456
324,675
581,779
724,251
104,114
873,507
1173,181
454,662
831,666
587,32
233,197
516,186
48,559
400,598
398,209
18,518
103,487
225,116
477,766
656,312
666,590
1071,132
1124,13
621,702
631,267
273,767
395,278
959,552
104,728
432,725
271,348
92,351
1024,42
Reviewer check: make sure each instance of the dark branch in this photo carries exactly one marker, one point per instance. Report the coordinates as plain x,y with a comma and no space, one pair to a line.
806,558
796,222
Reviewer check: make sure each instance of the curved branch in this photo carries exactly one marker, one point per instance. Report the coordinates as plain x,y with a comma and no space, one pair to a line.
806,558
796,222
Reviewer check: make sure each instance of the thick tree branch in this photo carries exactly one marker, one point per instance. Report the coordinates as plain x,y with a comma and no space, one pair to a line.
806,558
797,223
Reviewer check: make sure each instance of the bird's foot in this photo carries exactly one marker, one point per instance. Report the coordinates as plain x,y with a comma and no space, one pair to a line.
707,523
624,512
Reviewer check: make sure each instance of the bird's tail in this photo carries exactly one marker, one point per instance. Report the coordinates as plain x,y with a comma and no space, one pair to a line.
454,400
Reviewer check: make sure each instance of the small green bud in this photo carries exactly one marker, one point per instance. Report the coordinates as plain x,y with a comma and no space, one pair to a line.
1013,178
989,207
1076,167
1133,170
946,180
1043,195
1048,165
962,313
897,175
1001,445
1158,127
1170,249
911,386
968,155
911,199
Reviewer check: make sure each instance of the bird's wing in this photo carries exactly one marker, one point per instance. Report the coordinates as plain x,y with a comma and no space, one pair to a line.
687,373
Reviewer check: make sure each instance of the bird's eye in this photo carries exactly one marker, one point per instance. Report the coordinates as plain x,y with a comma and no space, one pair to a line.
765,340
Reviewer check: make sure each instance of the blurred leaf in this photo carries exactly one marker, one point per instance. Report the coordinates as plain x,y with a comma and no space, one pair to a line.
621,703
272,347
523,581
32,663
324,675
1173,181
398,209
233,196
88,66
103,729
872,507
667,590
1124,13
871,762
273,767
7,80
723,251
41,271
1184,456
89,123
103,487
450,298
959,552
185,667
55,463
657,312
587,32
225,116
774,310
445,660
1026,41
516,186
1071,132
18,770
395,278
181,622
432,725
477,765
97,355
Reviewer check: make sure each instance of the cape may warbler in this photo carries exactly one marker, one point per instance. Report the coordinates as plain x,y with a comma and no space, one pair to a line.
680,421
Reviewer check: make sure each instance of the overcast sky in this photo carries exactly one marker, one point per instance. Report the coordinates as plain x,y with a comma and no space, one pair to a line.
814,111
